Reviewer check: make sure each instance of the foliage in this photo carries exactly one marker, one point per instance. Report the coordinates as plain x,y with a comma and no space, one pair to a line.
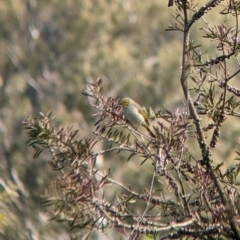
172,186
49,50
196,205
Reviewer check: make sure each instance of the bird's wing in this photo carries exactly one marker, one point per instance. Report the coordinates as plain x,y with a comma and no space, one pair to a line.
144,113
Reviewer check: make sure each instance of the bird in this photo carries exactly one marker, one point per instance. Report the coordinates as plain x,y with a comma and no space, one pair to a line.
135,115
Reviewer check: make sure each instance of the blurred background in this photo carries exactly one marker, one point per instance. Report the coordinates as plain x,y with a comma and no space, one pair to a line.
49,50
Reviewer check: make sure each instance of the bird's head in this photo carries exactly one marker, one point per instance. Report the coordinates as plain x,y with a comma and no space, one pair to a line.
125,102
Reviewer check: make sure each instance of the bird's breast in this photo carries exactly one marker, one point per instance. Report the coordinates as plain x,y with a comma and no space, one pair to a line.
133,116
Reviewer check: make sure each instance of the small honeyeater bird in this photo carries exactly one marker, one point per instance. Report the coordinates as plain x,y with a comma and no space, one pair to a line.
134,114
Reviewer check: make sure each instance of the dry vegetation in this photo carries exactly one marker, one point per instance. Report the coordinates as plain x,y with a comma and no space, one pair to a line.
76,59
